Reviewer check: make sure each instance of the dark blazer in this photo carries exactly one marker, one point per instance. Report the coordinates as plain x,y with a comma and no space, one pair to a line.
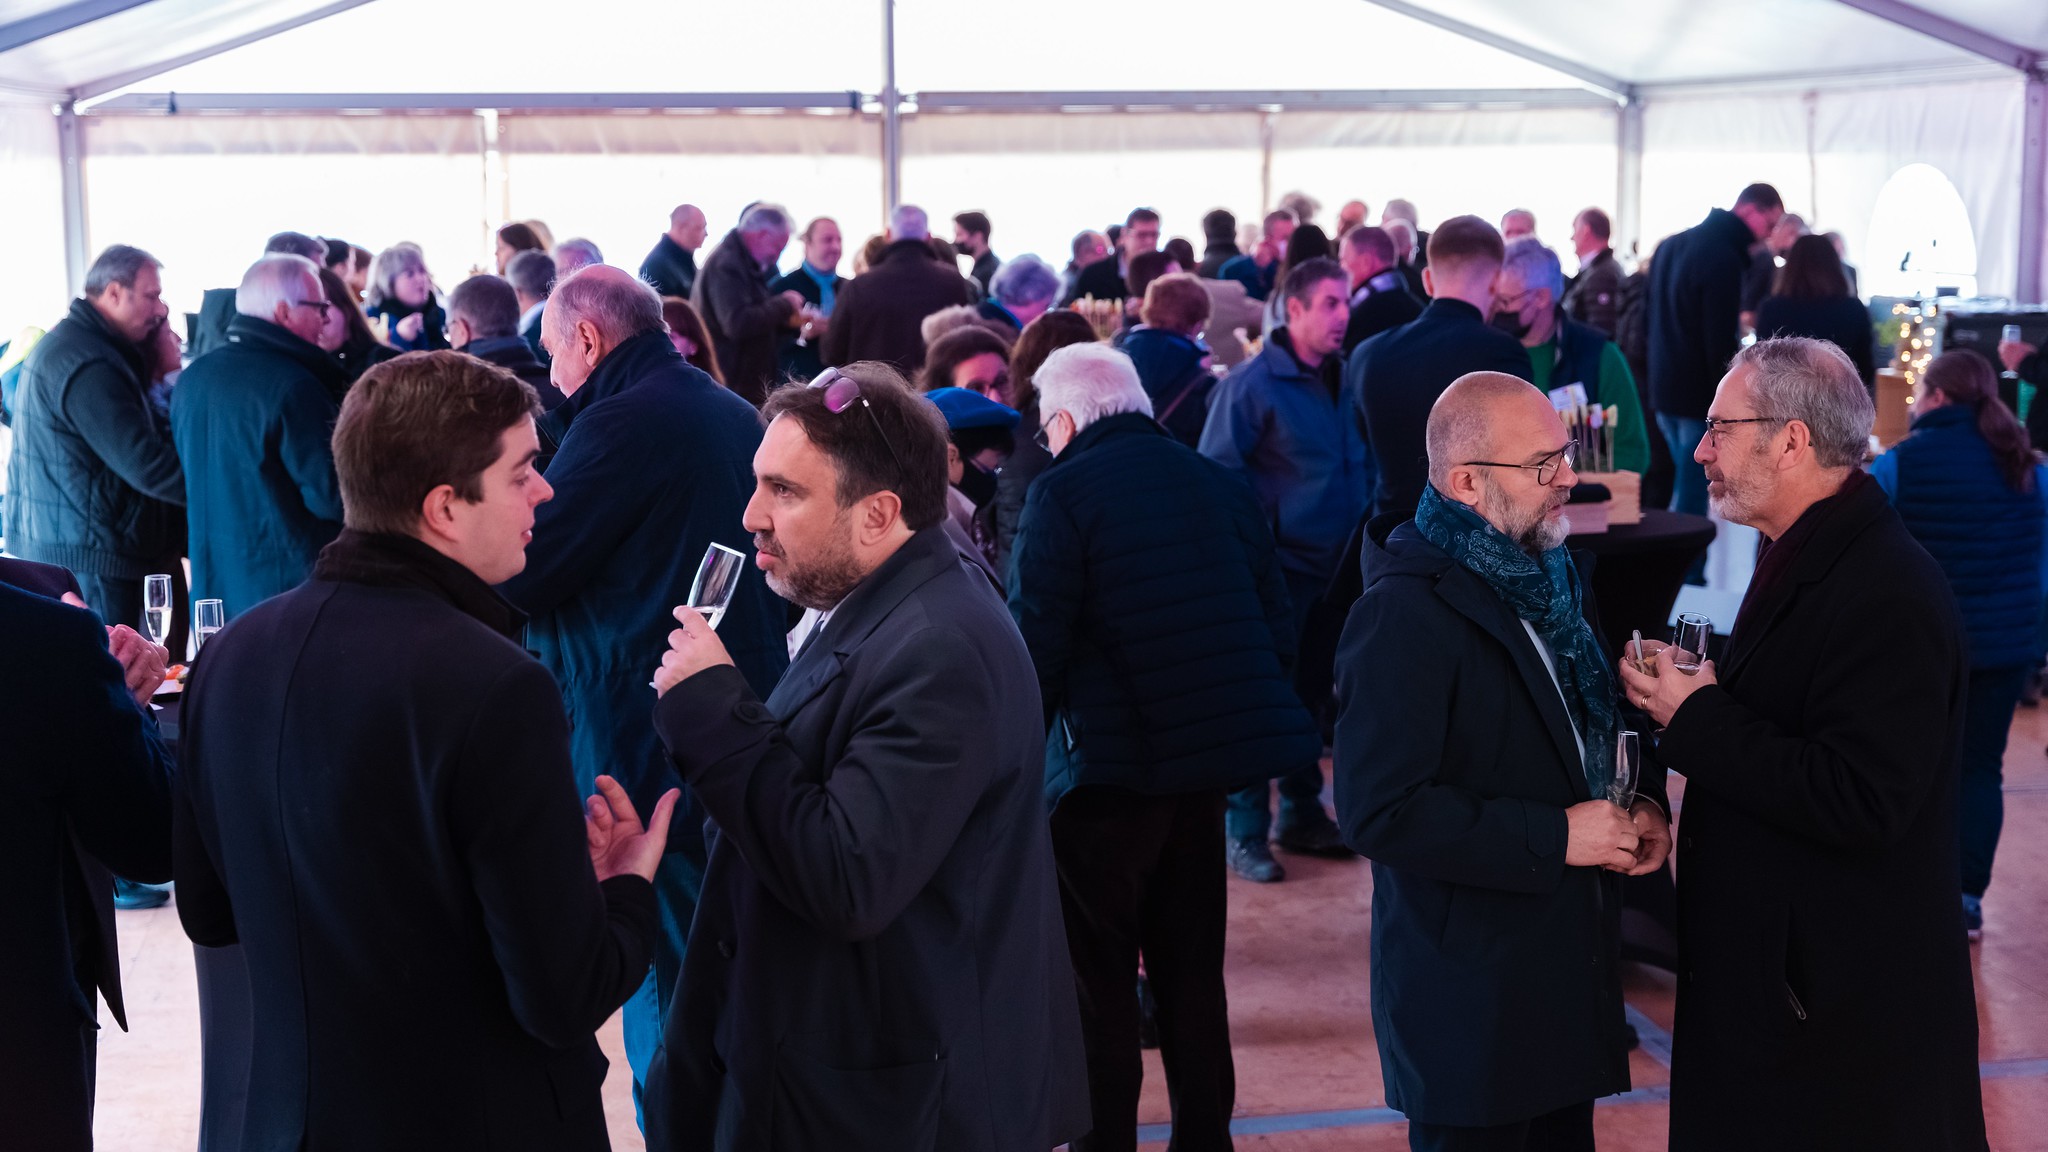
743,317
1396,376
1841,320
513,354
670,267
1594,298
85,787
879,315
1103,280
1826,997
1214,257
94,484
1695,312
1147,588
653,461
1495,990
803,362
984,271
254,423
878,960
1388,304
391,832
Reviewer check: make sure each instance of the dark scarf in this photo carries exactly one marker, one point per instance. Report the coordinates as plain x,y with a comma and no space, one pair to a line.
1544,590
1774,559
386,560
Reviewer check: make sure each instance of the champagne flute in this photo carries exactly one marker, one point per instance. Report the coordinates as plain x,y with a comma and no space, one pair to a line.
1689,638
156,608
1627,766
718,576
208,617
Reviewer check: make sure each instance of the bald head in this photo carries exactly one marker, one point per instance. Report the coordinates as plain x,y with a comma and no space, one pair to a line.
591,312
687,227
1497,447
1474,417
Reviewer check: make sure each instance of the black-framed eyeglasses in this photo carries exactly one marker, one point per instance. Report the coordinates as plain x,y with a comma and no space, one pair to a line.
1546,469
842,392
323,305
1716,425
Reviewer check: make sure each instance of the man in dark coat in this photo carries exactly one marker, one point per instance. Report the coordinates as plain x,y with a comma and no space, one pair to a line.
85,787
652,465
971,231
1104,279
672,266
1396,376
1158,704
1825,995
433,938
1696,326
799,351
880,315
217,305
1380,299
252,421
1219,243
1594,297
483,320
94,484
745,319
1477,766
879,962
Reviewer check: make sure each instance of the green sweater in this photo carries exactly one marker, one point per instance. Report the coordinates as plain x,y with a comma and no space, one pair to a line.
1616,388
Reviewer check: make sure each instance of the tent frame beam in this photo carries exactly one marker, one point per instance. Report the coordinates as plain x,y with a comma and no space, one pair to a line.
1615,89
1954,34
61,19
122,80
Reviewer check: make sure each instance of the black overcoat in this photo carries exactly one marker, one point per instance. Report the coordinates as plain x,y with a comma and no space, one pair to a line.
878,961
1825,999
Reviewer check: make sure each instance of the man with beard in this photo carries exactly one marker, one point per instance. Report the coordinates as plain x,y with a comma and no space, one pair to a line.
1824,997
1475,765
878,961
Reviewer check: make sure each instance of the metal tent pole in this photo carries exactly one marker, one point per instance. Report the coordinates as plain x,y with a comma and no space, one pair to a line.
70,160
892,115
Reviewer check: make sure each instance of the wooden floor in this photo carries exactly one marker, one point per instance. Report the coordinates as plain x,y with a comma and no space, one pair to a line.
1307,1070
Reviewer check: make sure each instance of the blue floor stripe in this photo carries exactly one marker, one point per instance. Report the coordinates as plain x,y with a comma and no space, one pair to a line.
1654,1041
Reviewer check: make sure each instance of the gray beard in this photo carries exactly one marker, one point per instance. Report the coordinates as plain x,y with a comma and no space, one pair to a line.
820,584
1534,535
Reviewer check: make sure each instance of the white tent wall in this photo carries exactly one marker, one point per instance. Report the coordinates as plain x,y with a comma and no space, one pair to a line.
32,200
1830,152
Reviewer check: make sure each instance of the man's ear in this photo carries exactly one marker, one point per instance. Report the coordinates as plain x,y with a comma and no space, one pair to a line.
437,513
879,513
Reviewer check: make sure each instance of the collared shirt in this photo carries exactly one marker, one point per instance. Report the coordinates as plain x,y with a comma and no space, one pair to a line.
527,317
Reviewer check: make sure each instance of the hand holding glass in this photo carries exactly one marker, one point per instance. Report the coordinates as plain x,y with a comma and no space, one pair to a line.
1627,765
1690,637
156,608
718,577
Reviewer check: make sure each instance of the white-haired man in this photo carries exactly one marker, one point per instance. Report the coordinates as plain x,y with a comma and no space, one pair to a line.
744,317
252,421
1821,757
1139,762
1021,291
880,314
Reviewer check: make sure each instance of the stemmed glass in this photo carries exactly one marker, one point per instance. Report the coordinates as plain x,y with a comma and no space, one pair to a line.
1627,768
1690,637
718,576
208,617
156,608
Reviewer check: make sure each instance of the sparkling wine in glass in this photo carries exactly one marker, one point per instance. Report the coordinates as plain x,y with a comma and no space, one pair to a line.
208,617
1690,637
717,578
156,608
1627,767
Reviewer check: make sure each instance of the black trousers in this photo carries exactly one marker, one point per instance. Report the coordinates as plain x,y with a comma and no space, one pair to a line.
1568,1129
1145,875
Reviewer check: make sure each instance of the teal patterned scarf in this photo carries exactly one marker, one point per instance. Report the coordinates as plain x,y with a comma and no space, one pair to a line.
1544,590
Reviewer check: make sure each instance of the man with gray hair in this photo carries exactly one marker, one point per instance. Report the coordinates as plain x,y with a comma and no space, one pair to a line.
532,276
94,483
483,320
880,315
744,317
1020,292
1821,753
653,463
1189,698
253,420
217,305
1575,363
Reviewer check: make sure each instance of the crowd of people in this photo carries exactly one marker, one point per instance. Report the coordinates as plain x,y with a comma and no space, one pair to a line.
914,842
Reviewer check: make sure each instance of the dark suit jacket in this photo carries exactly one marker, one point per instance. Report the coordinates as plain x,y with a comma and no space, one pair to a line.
85,787
1695,312
1396,376
878,960
742,316
1840,320
1389,304
1594,298
879,316
1102,280
1826,997
1495,990
392,834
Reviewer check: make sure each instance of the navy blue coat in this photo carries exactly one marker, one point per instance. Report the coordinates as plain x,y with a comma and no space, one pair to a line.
1696,312
878,961
1146,586
1395,377
1987,538
254,424
1495,990
84,786
1840,320
1171,369
653,461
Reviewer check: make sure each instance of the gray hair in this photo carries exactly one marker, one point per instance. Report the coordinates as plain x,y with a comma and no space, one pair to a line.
1400,209
279,278
1813,382
1535,265
766,218
1024,280
908,222
1089,382
1402,233
531,273
119,264
575,253
297,244
487,304
619,307
390,264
